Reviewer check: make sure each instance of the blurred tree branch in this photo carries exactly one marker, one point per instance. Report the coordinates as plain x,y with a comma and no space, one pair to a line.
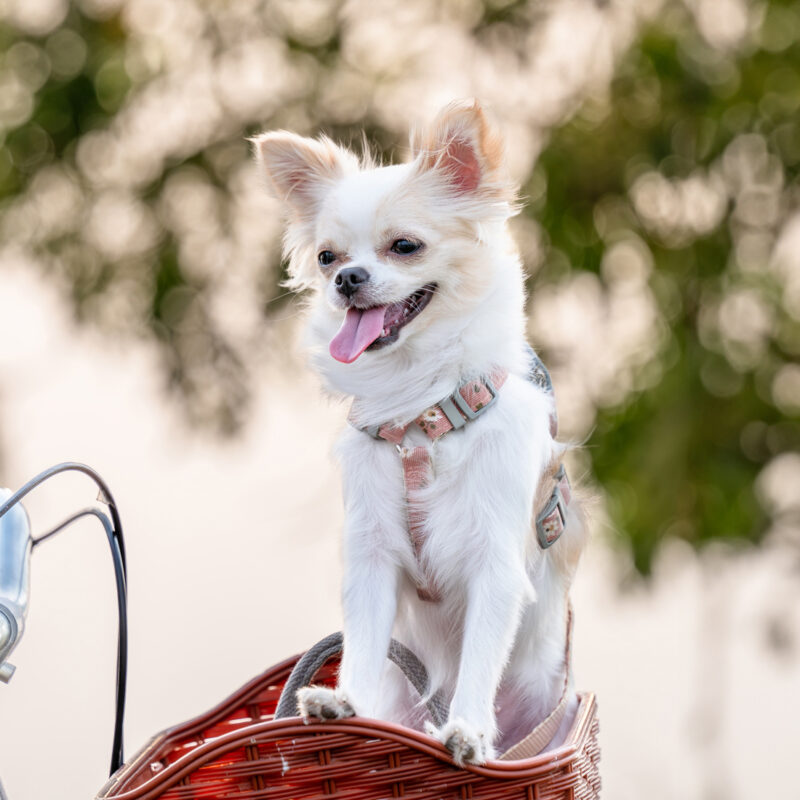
661,219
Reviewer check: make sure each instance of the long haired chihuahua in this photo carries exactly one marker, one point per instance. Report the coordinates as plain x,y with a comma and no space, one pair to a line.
460,540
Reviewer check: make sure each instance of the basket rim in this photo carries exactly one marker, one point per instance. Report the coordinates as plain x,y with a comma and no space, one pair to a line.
263,732
194,724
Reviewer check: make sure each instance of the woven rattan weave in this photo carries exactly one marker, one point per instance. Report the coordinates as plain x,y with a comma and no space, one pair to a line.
237,751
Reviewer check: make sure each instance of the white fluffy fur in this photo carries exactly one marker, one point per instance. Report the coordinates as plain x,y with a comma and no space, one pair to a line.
495,643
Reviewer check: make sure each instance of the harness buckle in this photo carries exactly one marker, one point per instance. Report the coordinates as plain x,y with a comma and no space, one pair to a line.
451,406
552,520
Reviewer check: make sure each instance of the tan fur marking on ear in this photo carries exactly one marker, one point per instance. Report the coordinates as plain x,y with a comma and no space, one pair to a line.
491,143
463,144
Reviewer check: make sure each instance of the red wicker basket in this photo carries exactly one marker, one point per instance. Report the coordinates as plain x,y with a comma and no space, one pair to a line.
238,751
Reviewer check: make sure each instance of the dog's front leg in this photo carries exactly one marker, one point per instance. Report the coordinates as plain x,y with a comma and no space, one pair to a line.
493,611
370,603
488,488
374,526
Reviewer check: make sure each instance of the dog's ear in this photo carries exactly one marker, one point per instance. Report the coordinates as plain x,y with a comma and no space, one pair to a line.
300,170
299,173
464,147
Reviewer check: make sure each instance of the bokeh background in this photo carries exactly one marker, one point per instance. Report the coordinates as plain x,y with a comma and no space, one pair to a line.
143,329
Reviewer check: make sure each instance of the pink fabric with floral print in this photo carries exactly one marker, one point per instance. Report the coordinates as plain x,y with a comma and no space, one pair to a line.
418,465
433,420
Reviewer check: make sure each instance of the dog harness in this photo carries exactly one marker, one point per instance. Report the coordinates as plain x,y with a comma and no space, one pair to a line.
471,399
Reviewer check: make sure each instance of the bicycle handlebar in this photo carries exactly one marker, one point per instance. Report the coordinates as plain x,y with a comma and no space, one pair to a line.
15,554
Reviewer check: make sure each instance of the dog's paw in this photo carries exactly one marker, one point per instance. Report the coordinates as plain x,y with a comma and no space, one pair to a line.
320,702
465,743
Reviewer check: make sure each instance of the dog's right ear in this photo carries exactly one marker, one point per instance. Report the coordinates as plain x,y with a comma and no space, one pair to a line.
465,149
300,170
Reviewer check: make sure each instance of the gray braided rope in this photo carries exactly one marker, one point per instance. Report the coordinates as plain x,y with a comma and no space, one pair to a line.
313,659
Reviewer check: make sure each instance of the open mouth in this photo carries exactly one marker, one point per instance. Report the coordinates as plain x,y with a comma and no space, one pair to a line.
398,315
373,328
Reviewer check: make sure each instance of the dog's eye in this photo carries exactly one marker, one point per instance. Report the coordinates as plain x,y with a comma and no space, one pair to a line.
405,247
326,258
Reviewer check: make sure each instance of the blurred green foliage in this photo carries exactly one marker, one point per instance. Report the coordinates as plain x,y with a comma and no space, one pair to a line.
78,83
693,155
681,457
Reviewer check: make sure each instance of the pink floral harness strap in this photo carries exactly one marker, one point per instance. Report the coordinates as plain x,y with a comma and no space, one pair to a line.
467,403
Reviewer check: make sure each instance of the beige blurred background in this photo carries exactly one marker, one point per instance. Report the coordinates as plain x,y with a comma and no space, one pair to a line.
143,331
234,564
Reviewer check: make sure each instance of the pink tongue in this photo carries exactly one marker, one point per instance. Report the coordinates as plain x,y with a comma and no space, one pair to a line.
359,330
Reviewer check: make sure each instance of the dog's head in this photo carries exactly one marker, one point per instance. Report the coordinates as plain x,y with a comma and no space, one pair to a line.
395,251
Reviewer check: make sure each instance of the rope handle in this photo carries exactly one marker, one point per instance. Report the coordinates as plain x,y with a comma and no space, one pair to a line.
313,659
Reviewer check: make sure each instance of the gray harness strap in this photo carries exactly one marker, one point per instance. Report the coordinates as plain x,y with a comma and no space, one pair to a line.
538,374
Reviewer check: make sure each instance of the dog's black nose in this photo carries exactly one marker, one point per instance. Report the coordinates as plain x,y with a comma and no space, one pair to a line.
348,281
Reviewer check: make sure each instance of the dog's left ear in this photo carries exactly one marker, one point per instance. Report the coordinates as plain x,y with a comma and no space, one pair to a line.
466,150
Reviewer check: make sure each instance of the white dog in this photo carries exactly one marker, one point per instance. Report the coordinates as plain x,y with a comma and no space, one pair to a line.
418,315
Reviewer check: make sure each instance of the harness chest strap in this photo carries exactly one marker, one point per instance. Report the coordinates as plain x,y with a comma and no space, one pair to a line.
467,403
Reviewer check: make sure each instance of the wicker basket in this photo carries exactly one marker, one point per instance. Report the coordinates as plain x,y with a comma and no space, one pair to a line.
238,751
